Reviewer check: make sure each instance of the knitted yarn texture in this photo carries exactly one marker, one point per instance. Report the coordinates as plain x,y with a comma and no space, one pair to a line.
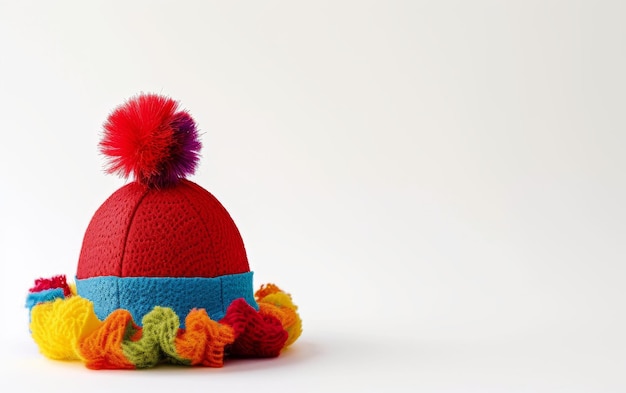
67,328
163,275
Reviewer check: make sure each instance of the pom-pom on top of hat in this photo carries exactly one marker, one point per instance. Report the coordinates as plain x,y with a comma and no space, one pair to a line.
149,138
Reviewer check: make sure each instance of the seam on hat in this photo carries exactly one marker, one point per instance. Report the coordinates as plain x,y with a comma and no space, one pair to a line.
193,206
130,222
117,293
222,295
199,190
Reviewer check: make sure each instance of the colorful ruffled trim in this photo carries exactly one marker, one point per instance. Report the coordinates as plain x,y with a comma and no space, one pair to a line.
65,327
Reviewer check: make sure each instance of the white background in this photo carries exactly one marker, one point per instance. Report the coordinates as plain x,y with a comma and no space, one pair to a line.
439,184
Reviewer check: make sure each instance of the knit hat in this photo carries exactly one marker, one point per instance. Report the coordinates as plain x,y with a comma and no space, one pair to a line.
163,274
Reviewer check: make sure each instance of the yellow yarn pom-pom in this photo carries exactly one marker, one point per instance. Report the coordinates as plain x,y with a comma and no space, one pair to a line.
57,327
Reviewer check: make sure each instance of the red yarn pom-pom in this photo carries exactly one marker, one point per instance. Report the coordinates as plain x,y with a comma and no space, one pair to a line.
151,139
59,281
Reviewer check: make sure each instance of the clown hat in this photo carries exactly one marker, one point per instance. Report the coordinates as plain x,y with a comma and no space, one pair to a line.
163,274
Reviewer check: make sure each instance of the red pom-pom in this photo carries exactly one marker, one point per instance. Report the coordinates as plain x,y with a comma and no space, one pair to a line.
151,139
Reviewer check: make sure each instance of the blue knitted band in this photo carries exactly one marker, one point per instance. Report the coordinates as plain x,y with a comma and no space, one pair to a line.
140,295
